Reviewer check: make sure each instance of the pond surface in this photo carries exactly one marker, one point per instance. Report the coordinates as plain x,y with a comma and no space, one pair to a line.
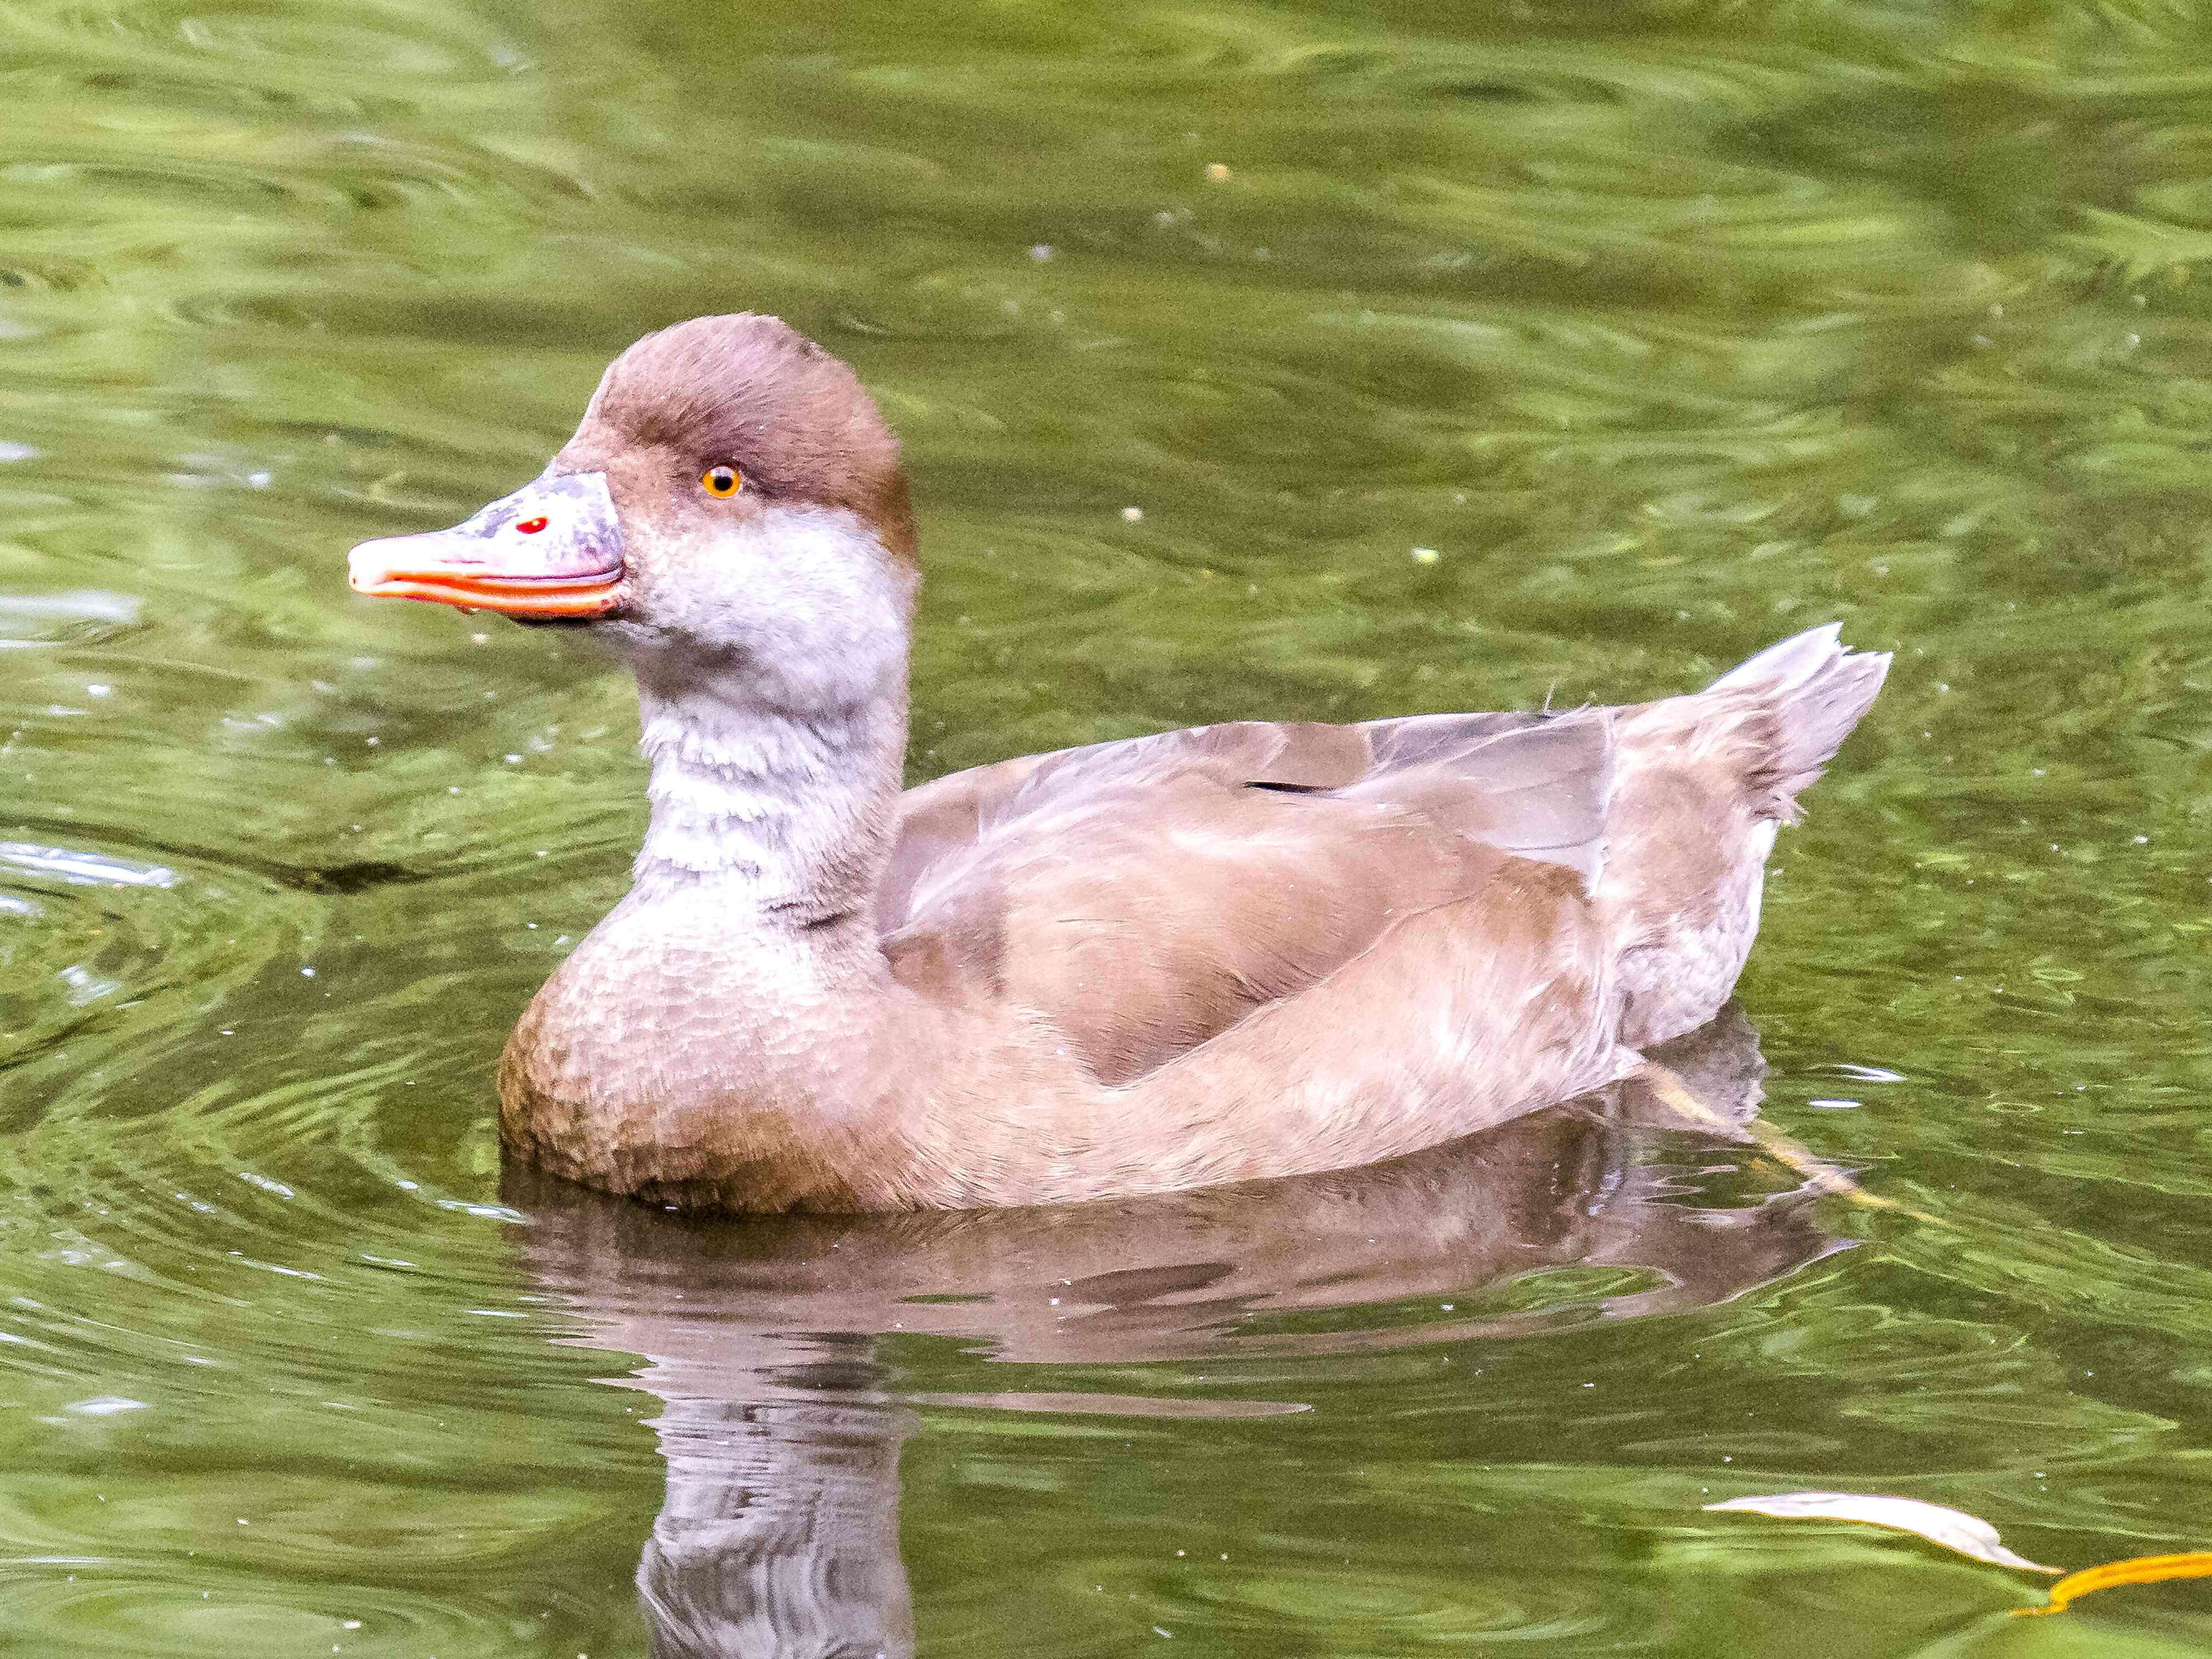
1449,357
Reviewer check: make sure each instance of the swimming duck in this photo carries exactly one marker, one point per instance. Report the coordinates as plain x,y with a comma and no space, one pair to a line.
1239,951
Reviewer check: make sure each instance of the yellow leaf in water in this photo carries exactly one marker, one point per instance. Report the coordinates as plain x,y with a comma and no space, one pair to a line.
1954,1530
2136,1569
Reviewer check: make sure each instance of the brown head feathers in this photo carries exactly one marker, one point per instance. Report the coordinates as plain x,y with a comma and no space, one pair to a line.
752,392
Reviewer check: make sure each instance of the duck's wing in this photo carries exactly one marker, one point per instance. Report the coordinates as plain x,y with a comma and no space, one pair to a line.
1145,895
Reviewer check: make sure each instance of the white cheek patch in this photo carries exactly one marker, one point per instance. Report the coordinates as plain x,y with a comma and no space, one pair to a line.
800,612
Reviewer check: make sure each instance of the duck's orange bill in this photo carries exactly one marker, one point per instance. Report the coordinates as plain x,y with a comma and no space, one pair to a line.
554,548
512,596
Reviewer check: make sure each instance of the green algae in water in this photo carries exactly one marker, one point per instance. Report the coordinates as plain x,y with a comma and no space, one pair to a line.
1662,331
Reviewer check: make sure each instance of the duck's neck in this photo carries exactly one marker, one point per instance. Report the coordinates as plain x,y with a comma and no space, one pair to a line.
774,816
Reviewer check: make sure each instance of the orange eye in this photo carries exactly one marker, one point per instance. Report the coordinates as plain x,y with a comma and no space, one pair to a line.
723,480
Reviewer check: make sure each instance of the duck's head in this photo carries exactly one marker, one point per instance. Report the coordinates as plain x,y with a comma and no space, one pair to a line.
732,501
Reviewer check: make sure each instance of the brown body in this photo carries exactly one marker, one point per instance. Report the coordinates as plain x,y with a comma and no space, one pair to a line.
1240,950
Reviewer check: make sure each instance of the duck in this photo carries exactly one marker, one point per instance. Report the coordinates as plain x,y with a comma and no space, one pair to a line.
1227,953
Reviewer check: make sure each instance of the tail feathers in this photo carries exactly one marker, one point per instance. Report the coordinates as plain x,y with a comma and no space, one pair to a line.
1812,690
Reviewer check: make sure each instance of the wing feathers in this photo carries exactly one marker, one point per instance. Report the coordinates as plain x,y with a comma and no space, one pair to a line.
1144,896
1141,897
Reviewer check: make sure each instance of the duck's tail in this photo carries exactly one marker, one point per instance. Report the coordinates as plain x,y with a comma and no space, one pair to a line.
1812,689
1700,783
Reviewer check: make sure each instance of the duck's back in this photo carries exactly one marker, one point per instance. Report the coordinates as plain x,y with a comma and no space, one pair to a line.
1143,896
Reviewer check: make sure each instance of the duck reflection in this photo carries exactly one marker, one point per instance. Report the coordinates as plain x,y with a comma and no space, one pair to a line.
779,1533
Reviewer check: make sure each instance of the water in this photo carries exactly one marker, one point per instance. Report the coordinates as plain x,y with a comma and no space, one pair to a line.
1667,330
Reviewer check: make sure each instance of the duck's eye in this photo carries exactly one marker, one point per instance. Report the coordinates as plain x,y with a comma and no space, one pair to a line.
529,526
721,480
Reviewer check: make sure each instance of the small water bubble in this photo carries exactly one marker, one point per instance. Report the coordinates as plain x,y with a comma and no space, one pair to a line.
1132,515
1041,252
1426,555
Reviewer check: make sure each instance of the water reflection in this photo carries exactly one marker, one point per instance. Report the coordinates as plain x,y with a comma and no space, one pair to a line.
781,1427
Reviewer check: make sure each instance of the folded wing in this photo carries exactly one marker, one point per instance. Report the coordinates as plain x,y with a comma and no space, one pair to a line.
1143,896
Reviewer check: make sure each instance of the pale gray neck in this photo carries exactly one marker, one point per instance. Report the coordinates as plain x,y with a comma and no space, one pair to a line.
785,816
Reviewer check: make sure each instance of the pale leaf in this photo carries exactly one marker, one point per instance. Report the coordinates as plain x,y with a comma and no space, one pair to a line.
1954,1530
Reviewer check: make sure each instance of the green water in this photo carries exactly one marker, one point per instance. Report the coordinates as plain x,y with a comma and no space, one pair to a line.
1668,329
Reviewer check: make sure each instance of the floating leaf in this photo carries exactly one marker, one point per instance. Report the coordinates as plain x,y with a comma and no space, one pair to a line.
1954,1530
2136,1569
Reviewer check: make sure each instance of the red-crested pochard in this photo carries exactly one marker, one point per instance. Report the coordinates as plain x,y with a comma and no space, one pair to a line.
1209,955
